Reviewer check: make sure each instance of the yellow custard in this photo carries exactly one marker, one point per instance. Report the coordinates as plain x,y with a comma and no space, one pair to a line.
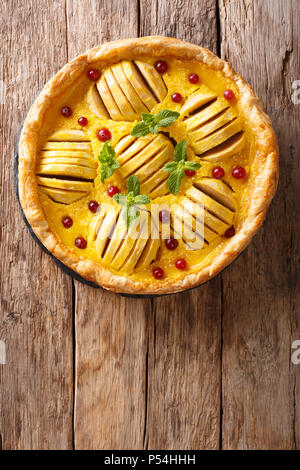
216,136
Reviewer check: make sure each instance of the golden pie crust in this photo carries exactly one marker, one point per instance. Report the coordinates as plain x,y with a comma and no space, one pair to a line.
261,182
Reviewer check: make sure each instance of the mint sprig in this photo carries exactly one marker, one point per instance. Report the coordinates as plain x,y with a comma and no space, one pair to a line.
152,122
108,161
178,166
131,200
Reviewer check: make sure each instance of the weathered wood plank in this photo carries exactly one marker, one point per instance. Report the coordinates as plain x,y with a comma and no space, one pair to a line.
184,334
36,296
261,315
110,330
110,370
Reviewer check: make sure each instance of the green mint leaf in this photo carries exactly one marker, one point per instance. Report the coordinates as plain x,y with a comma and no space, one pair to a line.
178,166
140,130
133,185
109,163
116,197
153,128
141,199
102,173
130,214
175,179
152,122
148,118
170,166
107,152
192,166
180,152
165,117
109,172
131,199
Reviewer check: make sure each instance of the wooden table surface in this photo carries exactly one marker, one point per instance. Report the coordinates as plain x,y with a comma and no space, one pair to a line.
208,369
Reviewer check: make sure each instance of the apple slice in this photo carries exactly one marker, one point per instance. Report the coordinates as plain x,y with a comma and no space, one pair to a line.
153,79
124,143
65,153
219,191
108,100
161,190
229,148
128,89
68,146
96,104
119,97
138,248
154,165
218,137
149,254
67,170
145,155
210,111
197,100
210,220
69,161
138,146
138,84
71,185
211,205
63,196
104,231
212,125
69,135
115,239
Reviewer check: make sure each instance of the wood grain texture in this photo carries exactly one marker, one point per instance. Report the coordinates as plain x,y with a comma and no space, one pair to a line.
184,371
36,296
189,20
110,370
111,332
184,337
261,315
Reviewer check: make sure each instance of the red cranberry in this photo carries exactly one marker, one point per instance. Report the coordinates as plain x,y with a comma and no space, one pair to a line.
194,78
93,75
176,97
218,172
164,216
190,173
93,206
82,121
161,66
158,273
80,242
112,190
66,111
238,172
180,263
67,222
228,95
104,134
229,232
171,243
